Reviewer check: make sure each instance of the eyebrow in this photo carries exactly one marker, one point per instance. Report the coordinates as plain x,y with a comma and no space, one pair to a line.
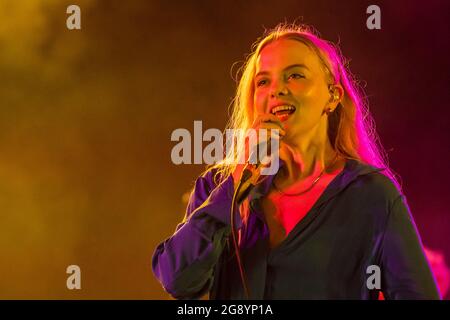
297,65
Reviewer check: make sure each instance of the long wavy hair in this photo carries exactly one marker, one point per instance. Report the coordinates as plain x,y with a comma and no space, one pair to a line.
351,129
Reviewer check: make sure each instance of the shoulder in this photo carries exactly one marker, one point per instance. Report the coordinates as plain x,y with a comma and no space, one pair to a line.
379,183
373,195
373,184
205,183
209,179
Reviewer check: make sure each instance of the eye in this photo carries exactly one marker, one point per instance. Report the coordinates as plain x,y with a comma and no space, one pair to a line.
296,76
261,82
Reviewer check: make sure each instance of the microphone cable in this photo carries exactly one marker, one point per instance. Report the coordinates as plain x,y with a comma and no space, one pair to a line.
246,174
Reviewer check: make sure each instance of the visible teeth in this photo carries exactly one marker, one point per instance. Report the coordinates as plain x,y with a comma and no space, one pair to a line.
282,108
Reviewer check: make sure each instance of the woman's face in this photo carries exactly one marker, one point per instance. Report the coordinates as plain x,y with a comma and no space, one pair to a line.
289,76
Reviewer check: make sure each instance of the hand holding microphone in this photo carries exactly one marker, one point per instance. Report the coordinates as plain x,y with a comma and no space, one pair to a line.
246,175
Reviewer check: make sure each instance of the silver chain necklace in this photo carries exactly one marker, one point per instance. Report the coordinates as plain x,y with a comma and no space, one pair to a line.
312,185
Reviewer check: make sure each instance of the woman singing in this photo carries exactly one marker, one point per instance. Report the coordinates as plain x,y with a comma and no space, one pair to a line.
332,223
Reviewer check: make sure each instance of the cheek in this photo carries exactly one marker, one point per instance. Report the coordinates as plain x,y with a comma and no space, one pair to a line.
259,101
310,95
304,89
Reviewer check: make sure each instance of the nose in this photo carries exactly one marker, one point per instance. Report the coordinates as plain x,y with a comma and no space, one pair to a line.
278,89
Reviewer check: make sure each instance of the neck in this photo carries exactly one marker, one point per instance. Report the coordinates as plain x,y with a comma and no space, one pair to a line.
306,158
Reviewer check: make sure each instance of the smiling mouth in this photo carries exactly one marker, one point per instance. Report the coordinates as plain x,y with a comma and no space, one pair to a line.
283,112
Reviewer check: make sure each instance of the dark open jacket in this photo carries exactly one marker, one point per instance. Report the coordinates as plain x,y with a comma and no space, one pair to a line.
360,220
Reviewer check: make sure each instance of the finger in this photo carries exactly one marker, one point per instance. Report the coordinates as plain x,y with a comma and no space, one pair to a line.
268,121
271,126
270,118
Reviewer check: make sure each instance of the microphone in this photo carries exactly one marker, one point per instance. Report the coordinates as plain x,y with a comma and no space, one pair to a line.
252,171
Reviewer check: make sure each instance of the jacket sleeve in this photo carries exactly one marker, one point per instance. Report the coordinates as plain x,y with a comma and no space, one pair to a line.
406,273
184,263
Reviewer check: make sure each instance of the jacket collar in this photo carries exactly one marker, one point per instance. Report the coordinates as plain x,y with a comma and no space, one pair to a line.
352,170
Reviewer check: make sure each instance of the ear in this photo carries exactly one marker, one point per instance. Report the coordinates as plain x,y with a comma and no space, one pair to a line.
336,95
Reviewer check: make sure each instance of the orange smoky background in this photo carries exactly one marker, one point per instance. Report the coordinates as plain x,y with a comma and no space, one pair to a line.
86,116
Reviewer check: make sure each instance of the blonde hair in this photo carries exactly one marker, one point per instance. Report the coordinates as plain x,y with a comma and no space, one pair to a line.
351,128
